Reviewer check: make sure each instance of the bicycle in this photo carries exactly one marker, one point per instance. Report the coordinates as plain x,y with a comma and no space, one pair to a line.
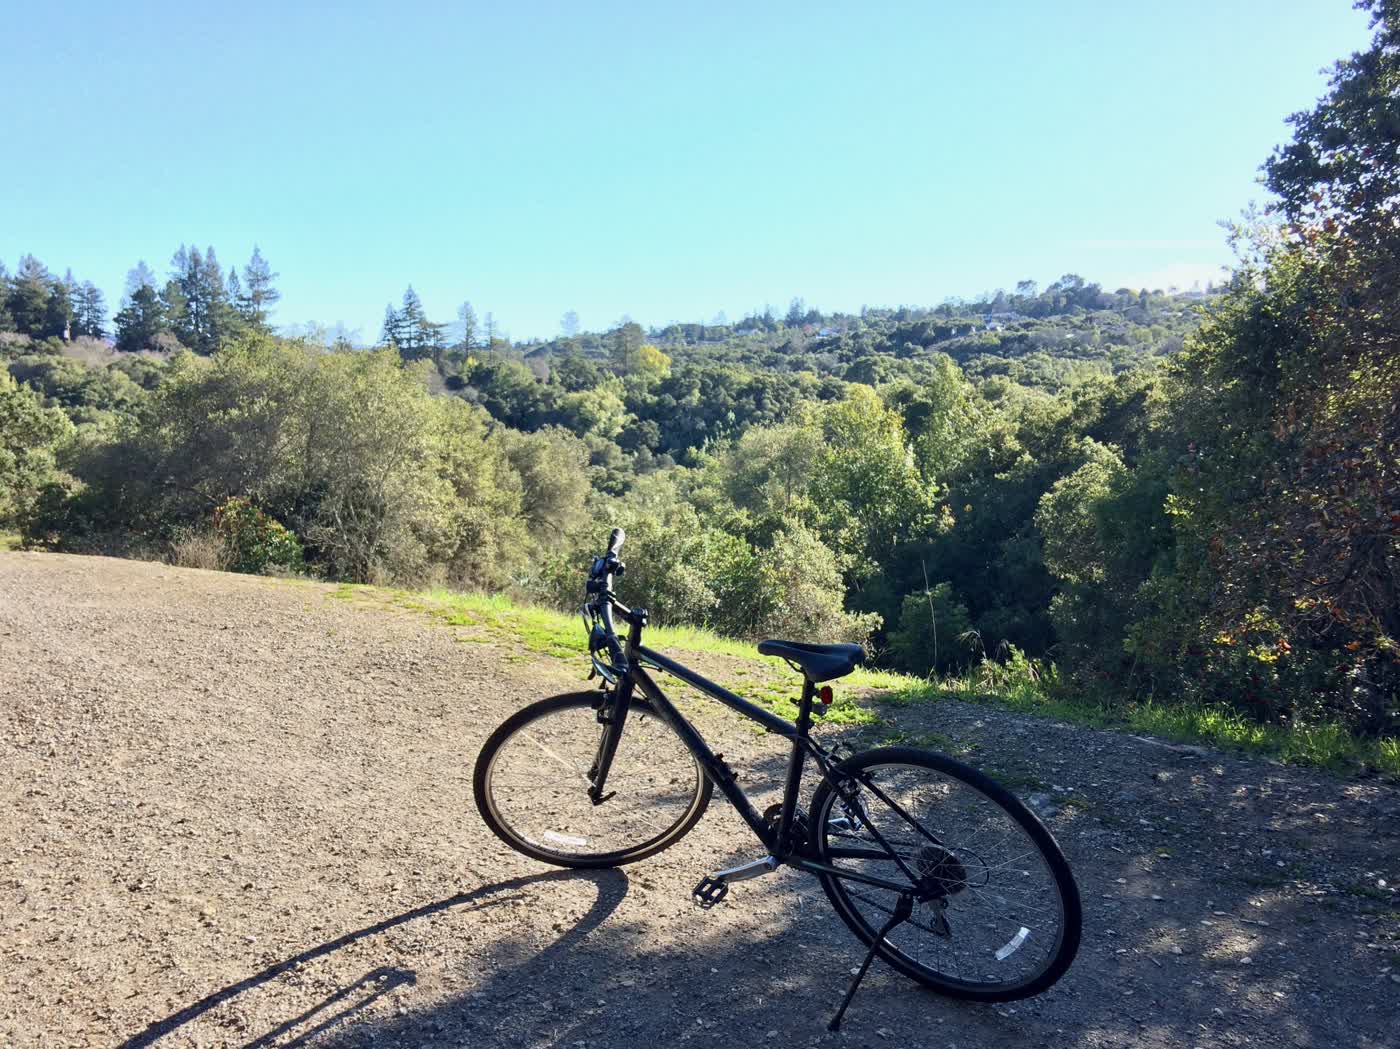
973,898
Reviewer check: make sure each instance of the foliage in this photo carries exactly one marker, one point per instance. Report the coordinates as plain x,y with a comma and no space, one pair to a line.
30,437
253,541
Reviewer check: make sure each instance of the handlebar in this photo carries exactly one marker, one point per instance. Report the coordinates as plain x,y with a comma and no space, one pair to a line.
601,601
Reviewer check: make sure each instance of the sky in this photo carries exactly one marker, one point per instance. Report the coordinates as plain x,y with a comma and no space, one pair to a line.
661,161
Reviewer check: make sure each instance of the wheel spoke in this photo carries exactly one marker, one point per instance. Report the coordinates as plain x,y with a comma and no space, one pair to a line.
539,793
1005,911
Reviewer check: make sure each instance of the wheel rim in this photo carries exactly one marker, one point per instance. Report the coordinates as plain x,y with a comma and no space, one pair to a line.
537,785
990,914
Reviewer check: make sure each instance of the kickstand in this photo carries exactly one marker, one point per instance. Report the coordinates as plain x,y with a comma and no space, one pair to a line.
903,910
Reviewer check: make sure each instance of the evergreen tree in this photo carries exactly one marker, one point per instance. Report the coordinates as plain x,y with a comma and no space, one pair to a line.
259,294
141,320
418,337
90,312
201,316
467,316
58,308
7,323
392,334
139,276
233,291
625,340
223,321
175,309
28,297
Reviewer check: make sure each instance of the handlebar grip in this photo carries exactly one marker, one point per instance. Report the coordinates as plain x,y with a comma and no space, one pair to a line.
615,541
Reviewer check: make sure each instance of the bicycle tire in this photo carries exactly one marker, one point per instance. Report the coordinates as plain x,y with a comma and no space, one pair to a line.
1061,951
575,814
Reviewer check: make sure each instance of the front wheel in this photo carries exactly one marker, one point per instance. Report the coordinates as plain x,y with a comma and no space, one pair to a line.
996,912
532,784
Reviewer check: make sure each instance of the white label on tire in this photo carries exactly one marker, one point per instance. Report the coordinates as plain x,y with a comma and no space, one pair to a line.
1013,944
563,839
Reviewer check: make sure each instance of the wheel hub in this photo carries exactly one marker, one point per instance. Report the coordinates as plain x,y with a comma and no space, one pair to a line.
941,873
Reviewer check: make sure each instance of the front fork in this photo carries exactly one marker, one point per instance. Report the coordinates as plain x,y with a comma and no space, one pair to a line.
612,715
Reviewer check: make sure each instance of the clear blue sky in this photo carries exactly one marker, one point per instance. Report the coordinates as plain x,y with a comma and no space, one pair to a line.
662,160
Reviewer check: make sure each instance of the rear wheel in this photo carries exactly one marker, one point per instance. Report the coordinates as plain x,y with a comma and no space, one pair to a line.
996,914
532,784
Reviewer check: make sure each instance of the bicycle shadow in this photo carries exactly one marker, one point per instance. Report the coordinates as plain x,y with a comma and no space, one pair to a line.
359,995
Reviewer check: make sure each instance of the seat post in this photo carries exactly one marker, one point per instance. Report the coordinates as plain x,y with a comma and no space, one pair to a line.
795,764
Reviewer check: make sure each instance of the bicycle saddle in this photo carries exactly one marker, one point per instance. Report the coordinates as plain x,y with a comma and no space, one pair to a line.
818,662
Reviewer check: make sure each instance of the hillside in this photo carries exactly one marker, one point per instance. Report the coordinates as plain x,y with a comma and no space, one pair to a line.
240,815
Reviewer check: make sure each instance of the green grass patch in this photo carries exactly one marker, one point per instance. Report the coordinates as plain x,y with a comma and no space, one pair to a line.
10,541
559,634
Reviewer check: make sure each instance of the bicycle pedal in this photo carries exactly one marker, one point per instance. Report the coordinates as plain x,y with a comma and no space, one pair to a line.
709,891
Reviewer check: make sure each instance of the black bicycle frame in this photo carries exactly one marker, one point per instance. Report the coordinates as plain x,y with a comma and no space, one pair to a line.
779,841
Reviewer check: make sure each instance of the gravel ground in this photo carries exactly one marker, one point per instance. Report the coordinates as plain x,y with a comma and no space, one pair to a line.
238,813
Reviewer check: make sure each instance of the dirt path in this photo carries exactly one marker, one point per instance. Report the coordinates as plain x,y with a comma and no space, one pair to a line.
237,812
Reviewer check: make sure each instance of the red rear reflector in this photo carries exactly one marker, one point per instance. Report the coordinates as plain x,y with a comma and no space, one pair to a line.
826,694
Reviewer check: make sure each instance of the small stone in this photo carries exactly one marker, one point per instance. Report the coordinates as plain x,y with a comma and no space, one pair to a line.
1177,950
1159,899
1395,977
1246,960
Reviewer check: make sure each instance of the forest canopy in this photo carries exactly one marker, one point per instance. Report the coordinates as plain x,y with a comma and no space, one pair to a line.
1190,496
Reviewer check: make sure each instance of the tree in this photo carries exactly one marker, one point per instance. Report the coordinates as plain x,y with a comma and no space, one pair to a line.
392,332
1343,164
233,290
58,309
141,321
569,324
7,322
139,276
28,298
259,292
466,316
797,311
416,337
90,312
623,343
29,436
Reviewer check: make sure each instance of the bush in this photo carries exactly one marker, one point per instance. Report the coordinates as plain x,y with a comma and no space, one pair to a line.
934,632
200,548
252,541
30,436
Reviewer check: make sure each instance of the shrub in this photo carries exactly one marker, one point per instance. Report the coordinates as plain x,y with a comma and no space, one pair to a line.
252,541
200,548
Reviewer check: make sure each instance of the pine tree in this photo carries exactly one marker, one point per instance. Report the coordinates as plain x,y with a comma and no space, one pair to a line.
7,322
137,277
392,334
58,308
141,320
174,311
223,321
185,303
418,337
467,316
259,294
233,291
201,315
28,299
90,309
